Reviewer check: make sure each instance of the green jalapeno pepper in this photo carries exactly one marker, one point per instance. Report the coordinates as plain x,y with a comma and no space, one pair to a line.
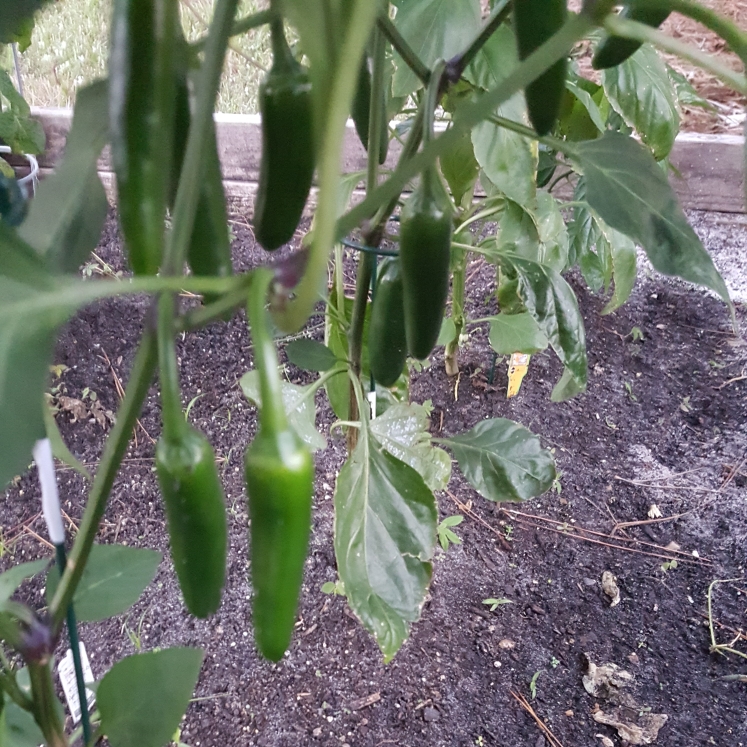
279,472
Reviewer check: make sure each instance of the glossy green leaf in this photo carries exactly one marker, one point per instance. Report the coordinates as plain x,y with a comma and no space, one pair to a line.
508,160
385,535
631,193
142,698
641,91
15,576
17,127
434,29
310,355
113,580
553,234
460,168
518,232
448,331
503,461
495,61
18,728
685,91
403,431
516,333
552,303
299,405
624,267
69,209
585,99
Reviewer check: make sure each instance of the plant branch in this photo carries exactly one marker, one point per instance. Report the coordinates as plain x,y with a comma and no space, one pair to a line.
468,116
45,713
403,49
641,32
456,66
141,376
247,23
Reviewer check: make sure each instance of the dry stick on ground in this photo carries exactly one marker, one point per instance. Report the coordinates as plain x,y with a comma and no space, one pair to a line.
576,533
551,738
120,393
29,530
467,510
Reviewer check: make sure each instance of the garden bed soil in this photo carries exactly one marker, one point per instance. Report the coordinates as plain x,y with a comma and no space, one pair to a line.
664,423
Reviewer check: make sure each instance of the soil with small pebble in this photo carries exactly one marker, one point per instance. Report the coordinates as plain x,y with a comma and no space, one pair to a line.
663,426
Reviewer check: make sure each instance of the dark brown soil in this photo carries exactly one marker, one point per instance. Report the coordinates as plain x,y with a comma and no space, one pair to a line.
663,422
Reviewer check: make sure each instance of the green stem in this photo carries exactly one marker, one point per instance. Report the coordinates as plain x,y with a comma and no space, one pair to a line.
141,376
188,193
467,117
403,49
482,215
203,315
247,23
735,37
458,282
171,400
457,65
272,415
562,146
45,712
282,57
643,33
296,312
375,110
10,686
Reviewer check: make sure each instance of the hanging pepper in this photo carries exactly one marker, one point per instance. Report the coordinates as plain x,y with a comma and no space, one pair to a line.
425,247
614,50
535,21
141,105
287,165
387,342
209,251
279,473
190,486
361,111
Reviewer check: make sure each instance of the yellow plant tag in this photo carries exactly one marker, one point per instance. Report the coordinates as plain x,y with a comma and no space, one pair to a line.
517,369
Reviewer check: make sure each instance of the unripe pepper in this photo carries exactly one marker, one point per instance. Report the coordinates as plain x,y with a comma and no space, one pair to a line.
425,247
141,105
535,21
191,489
209,251
614,50
287,165
387,341
279,473
361,111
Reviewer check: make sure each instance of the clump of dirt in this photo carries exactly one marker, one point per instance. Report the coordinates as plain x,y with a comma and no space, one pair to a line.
663,424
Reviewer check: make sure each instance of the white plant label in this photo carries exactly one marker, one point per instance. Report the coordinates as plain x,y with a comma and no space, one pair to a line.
66,672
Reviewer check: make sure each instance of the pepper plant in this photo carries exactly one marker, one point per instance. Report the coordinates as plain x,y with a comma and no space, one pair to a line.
517,120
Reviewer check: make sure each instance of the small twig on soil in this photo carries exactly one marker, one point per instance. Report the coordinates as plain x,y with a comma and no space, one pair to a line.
463,507
577,533
642,484
551,738
627,524
730,381
733,472
72,525
29,530
722,648
120,393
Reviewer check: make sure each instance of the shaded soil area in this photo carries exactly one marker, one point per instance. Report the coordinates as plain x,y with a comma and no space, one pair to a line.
664,424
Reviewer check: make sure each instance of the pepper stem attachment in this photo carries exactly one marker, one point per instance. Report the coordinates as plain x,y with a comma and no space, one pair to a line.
272,415
171,401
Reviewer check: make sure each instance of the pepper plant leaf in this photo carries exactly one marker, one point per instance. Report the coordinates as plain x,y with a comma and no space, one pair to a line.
15,576
310,355
503,461
15,16
385,536
630,192
641,92
403,431
18,728
142,698
69,209
552,303
624,266
460,168
113,580
434,29
299,407
516,333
